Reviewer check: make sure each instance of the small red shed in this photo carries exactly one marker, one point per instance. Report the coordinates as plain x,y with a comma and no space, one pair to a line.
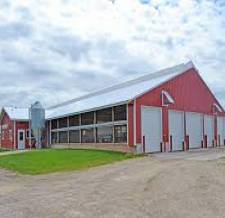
14,124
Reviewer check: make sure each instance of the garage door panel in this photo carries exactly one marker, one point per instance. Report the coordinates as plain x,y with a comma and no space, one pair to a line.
220,130
209,129
194,128
152,128
176,129
224,130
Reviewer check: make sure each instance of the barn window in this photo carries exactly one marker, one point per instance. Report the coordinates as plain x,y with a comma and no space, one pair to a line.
105,134
87,118
103,116
54,137
120,133
74,136
120,112
28,134
63,122
54,124
63,137
74,120
87,135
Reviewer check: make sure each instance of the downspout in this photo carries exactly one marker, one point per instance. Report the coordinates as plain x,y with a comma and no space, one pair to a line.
127,124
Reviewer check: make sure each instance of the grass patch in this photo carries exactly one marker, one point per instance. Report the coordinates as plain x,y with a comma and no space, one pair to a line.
48,161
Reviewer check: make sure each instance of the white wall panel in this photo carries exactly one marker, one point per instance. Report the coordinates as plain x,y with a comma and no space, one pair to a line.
209,129
194,128
176,129
151,119
220,130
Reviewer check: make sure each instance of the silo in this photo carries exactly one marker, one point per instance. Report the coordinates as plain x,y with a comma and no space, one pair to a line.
37,119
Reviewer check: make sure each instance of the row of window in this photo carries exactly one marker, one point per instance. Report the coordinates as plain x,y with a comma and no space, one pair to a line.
102,116
103,135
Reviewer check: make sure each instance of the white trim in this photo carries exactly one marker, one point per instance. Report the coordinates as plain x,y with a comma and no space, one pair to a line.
24,138
29,128
68,131
216,106
168,96
30,135
14,133
80,133
47,133
127,125
113,130
94,129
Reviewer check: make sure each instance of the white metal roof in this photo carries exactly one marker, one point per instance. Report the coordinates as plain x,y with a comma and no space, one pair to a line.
16,113
117,94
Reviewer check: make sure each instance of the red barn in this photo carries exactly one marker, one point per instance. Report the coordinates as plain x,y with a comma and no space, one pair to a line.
170,110
14,128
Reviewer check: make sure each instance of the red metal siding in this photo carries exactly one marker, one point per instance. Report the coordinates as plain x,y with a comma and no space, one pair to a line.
7,132
7,138
189,92
131,124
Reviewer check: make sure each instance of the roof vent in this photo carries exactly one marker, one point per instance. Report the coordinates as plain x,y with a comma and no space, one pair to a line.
167,99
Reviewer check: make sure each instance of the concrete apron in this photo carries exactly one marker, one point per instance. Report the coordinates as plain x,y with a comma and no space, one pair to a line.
195,154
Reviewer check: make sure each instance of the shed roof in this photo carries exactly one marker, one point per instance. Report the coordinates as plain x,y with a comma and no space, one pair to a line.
117,94
16,113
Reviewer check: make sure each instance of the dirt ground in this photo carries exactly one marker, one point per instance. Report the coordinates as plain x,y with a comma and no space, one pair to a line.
164,185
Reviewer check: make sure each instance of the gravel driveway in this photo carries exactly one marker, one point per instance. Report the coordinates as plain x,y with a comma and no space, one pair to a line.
164,185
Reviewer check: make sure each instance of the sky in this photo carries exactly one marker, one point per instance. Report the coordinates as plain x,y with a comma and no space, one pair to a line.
56,50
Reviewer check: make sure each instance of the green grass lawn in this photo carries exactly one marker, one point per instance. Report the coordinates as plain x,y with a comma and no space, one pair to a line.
47,161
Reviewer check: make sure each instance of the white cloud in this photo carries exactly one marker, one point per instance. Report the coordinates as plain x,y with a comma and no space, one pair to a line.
71,43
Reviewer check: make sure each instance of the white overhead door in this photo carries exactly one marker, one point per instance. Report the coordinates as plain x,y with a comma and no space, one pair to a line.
176,130
151,120
220,130
209,129
194,129
224,130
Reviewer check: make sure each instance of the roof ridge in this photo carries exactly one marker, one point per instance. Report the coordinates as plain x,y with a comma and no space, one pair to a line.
149,76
